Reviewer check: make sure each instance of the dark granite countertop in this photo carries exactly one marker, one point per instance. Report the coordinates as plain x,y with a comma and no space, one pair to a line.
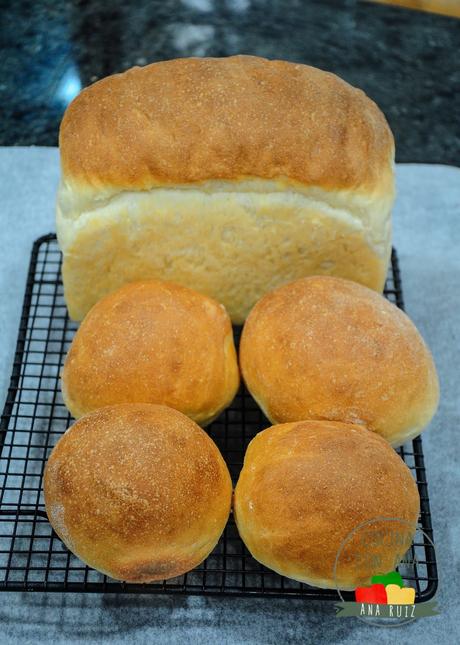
407,61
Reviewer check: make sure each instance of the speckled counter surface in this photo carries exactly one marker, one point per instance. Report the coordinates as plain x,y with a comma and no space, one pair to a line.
427,236
407,61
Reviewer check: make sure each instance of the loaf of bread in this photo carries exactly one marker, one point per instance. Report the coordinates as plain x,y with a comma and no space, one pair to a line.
139,492
328,348
228,175
153,342
326,503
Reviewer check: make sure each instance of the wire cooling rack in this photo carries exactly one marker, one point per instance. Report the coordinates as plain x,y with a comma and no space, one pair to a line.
33,558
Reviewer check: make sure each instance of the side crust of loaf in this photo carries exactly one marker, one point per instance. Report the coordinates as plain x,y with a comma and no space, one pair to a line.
229,241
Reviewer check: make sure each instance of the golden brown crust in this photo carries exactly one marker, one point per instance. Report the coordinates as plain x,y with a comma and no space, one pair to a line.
327,348
306,486
153,342
194,119
138,492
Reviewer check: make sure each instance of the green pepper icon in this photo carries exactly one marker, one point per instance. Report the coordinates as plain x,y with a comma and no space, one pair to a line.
390,578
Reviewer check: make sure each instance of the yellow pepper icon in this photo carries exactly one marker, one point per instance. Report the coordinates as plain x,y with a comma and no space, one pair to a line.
398,596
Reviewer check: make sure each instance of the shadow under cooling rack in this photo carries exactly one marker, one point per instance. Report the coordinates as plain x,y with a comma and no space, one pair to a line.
33,558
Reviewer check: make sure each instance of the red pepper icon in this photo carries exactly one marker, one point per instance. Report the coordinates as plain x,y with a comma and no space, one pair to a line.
375,594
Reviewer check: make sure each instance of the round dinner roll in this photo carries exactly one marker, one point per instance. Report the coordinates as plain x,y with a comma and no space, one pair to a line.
327,348
304,489
138,492
153,342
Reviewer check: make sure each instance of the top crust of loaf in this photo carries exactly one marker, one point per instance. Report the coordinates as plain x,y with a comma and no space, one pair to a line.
194,119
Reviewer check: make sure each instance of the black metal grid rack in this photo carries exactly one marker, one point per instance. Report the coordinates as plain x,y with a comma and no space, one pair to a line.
31,555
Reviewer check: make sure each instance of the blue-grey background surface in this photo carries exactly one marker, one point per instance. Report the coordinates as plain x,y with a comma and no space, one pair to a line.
427,236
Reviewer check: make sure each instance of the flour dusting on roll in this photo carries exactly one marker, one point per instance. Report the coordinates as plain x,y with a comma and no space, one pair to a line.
328,348
138,492
153,342
307,489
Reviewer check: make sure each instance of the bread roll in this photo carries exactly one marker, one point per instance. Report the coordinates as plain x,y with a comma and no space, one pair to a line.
327,348
138,492
228,175
306,486
153,342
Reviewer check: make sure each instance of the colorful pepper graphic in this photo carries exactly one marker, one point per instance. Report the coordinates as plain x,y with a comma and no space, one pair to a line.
374,595
398,596
391,578
387,588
